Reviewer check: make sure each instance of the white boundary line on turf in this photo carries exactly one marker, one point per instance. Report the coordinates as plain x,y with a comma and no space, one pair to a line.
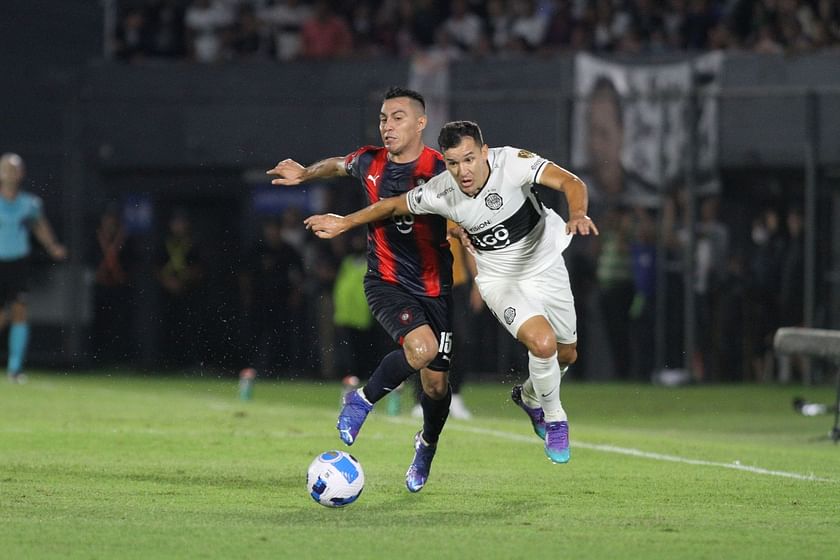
631,452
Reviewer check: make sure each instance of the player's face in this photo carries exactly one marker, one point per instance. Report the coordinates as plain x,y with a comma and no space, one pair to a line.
467,162
11,170
401,124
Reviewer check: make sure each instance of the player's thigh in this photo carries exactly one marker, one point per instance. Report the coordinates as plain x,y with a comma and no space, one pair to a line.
405,316
514,302
555,291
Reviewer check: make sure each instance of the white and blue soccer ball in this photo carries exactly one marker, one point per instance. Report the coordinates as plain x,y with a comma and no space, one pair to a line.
335,479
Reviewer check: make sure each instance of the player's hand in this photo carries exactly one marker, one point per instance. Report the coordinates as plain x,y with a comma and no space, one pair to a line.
460,234
582,225
288,172
326,226
58,252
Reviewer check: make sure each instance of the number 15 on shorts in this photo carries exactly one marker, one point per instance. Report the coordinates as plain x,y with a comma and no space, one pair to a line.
445,346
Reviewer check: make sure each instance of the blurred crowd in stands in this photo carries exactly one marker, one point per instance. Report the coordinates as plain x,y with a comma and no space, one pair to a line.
293,301
288,303
211,31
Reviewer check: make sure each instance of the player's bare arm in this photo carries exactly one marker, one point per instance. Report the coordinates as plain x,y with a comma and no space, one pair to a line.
327,226
557,178
44,233
290,173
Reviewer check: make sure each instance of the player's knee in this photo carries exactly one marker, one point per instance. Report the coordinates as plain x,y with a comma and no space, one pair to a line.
566,355
436,387
419,354
542,345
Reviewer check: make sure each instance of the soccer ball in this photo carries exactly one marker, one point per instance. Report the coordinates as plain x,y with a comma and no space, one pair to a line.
335,479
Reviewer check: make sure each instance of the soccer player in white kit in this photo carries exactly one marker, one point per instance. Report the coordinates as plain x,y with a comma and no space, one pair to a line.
518,246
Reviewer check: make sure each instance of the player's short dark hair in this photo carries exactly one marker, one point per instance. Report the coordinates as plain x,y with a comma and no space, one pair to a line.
453,132
397,91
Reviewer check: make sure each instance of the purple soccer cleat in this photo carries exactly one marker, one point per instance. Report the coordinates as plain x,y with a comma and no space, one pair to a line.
352,416
418,472
535,414
557,441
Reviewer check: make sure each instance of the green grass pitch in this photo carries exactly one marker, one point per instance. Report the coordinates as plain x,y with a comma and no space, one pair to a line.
136,466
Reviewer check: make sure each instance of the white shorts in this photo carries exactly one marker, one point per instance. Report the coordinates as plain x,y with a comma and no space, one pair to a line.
514,301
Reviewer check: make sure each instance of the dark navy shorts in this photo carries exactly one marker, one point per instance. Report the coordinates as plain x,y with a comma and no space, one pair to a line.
400,312
14,280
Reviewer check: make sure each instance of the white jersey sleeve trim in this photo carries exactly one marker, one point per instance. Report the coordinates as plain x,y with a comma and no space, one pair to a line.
540,170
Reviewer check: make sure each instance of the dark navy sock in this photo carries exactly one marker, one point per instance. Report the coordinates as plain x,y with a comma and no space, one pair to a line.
434,415
392,370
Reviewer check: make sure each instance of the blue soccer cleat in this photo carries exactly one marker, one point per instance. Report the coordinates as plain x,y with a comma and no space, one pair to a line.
418,472
535,414
557,441
352,416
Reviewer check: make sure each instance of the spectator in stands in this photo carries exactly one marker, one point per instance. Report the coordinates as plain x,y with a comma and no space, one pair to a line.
643,307
463,26
497,24
166,28
205,22
111,339
561,25
180,273
426,21
284,21
792,282
699,20
271,288
355,338
132,41
764,281
326,34
527,27
245,40
616,287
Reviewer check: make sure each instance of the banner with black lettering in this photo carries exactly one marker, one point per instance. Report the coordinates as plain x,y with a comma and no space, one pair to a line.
630,127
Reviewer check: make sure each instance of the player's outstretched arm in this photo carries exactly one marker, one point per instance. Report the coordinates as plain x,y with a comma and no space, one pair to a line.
44,233
557,178
327,226
290,173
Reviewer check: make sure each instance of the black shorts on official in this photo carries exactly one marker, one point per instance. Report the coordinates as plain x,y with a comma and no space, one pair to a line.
14,280
400,312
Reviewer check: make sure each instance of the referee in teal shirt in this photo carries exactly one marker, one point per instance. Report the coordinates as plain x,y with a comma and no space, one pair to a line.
20,213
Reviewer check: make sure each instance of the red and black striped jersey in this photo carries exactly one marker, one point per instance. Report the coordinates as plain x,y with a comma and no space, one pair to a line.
411,251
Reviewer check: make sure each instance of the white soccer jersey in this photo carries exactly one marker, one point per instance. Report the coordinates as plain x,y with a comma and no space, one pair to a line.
506,221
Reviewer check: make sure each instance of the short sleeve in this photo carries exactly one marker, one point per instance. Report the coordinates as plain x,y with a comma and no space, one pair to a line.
426,199
36,209
356,163
351,164
530,164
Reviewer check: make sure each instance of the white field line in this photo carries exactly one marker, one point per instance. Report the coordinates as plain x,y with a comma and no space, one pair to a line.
628,451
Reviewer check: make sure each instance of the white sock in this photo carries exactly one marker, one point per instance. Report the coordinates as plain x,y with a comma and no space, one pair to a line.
545,378
529,394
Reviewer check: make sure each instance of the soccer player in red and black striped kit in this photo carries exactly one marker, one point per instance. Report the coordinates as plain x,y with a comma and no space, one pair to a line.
409,280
